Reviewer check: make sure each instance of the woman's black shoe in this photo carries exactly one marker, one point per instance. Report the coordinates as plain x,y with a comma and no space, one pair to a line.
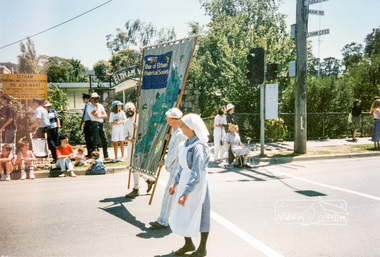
184,249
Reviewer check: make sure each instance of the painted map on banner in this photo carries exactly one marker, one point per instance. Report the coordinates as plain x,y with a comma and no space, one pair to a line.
163,75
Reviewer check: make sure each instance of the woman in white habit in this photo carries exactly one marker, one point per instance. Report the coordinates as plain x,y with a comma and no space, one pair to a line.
191,210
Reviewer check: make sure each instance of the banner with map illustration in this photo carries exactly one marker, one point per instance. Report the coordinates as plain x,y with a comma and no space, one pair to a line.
164,72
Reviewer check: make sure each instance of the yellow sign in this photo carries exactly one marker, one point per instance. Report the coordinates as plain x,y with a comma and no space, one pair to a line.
25,86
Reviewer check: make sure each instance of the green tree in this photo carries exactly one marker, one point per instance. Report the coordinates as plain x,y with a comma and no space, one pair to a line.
123,59
69,121
102,68
352,54
330,66
59,69
28,59
219,66
372,41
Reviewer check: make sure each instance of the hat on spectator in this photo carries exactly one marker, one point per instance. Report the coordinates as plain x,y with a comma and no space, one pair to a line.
114,103
86,96
230,106
37,100
47,103
95,95
232,126
129,105
174,113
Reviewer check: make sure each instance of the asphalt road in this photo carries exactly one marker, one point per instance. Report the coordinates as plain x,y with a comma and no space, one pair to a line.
319,208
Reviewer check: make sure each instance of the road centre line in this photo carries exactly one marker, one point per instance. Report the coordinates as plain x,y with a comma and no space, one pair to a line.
240,233
324,185
245,236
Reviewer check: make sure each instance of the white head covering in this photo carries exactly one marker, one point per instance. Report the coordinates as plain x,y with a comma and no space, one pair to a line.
174,113
230,106
195,122
129,105
94,95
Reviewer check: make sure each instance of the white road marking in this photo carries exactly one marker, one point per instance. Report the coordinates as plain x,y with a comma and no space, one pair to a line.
240,233
324,185
245,236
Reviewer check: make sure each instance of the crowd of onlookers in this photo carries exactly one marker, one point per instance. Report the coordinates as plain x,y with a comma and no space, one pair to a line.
46,126
227,143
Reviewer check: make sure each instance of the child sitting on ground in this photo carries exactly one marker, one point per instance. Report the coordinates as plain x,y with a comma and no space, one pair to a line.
80,158
6,160
97,166
26,159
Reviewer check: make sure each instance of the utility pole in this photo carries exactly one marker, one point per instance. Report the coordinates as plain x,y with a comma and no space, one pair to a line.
300,121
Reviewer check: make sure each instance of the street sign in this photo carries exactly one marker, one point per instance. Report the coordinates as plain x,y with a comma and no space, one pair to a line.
318,33
25,86
309,2
317,12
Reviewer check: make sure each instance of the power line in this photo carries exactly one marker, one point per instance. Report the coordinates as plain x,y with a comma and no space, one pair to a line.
56,25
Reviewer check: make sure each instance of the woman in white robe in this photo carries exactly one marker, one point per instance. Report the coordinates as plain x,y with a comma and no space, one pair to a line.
191,210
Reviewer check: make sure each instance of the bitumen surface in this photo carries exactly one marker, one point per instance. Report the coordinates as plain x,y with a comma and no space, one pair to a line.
274,149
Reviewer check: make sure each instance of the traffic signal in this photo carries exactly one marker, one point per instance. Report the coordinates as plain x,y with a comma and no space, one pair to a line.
255,65
272,71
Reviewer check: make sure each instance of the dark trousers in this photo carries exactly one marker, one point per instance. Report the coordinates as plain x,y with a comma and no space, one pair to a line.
87,136
54,133
97,131
40,133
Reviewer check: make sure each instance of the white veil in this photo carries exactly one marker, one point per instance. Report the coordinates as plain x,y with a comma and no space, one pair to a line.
195,122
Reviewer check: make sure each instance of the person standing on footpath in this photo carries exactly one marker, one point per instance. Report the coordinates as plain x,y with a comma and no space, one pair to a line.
129,126
191,210
86,119
356,113
375,111
42,122
173,116
97,114
117,119
220,123
9,125
55,123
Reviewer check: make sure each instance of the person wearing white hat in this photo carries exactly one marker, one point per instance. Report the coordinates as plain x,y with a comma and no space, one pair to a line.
97,114
55,123
117,119
173,117
230,115
42,122
191,210
130,125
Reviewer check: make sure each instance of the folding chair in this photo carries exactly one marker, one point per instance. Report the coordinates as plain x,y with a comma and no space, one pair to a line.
41,151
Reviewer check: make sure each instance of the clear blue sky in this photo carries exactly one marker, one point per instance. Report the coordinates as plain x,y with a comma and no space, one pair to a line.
85,37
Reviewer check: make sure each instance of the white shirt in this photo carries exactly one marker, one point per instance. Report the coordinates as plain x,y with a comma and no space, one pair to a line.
91,108
219,120
172,160
42,113
128,126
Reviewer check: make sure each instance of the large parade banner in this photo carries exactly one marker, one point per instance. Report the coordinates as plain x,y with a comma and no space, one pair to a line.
164,72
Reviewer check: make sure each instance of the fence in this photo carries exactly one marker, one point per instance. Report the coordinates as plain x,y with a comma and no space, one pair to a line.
320,125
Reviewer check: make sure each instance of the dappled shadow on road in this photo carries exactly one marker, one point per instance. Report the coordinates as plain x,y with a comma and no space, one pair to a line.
168,255
253,175
118,209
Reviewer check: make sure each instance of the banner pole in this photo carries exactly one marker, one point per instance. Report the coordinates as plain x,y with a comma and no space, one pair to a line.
177,106
137,107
